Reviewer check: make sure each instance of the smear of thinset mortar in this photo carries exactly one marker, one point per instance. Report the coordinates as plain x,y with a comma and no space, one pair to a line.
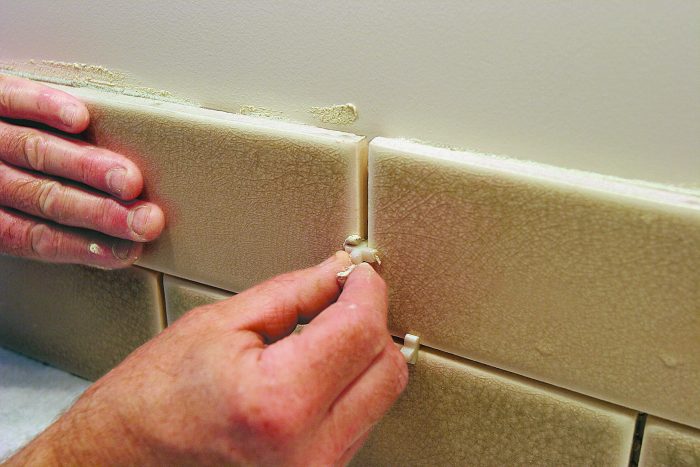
254,111
87,76
344,114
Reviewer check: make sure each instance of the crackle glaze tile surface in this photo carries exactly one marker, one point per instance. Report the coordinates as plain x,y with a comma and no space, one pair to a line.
457,413
668,444
181,296
79,319
245,198
583,281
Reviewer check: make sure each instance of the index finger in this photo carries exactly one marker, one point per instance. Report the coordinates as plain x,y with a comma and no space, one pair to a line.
341,342
26,100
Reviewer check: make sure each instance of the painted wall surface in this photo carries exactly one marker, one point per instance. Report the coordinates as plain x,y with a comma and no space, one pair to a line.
610,86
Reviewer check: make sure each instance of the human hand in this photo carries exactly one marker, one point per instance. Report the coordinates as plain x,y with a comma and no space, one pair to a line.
45,216
228,384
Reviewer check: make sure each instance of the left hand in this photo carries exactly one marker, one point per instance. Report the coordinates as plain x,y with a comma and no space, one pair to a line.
45,216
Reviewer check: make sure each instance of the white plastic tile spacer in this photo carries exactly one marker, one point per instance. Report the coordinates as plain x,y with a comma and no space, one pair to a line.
410,347
359,252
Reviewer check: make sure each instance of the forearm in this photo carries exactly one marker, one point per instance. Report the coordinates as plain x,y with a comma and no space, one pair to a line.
88,434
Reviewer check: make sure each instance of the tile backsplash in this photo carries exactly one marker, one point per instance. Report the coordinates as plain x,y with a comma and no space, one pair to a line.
578,294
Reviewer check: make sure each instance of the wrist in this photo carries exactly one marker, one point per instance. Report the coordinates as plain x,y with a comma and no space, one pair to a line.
91,432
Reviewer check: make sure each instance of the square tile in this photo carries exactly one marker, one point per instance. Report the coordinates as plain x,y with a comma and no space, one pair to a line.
79,319
669,444
457,413
181,296
583,281
245,198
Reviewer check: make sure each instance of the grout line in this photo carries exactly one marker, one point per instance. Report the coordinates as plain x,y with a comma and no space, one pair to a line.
519,377
362,186
161,290
636,448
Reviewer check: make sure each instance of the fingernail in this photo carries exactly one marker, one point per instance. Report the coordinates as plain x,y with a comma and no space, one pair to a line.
122,250
116,179
138,220
69,114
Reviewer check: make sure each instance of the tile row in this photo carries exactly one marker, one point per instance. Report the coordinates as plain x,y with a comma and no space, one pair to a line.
456,412
582,281
453,412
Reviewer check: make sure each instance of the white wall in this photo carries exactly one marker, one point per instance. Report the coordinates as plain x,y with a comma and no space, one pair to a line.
607,86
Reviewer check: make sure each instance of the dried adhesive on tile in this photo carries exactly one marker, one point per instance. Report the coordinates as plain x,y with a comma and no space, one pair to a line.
86,76
264,112
344,114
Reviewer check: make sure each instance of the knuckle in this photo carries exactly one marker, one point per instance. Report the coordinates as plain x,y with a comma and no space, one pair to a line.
33,147
8,95
42,242
49,199
14,191
278,424
13,142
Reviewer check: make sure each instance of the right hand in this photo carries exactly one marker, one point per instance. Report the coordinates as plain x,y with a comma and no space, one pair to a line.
46,217
228,384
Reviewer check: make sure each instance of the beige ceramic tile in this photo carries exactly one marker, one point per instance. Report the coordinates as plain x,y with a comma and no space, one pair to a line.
667,444
583,281
456,413
82,320
245,198
181,296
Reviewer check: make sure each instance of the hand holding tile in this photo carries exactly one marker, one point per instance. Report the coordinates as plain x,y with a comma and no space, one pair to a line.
42,213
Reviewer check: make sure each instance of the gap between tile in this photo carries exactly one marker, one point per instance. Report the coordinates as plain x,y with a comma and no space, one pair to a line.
638,439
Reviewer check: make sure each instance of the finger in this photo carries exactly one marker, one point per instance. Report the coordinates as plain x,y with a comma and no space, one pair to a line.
24,99
72,206
352,450
367,399
274,308
341,342
43,152
27,237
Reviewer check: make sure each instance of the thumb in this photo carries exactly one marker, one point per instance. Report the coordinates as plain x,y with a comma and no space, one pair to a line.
273,308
